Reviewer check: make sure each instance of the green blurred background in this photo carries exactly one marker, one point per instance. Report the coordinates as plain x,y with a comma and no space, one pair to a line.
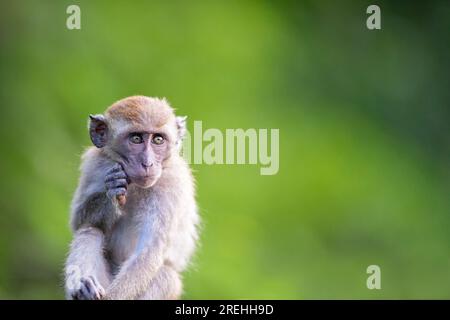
364,119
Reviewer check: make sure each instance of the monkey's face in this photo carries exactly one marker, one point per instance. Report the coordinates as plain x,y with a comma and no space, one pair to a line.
142,155
139,133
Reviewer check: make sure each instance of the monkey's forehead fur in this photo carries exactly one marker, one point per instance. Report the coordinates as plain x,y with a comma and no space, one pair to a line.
141,113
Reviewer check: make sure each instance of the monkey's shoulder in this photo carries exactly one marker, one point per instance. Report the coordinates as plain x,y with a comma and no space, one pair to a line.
93,156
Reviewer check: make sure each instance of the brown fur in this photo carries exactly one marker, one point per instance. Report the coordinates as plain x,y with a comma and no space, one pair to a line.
141,111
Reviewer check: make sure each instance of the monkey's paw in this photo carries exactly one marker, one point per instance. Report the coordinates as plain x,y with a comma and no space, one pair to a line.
116,182
88,289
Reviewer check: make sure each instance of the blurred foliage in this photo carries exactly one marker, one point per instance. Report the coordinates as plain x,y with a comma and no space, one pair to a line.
364,119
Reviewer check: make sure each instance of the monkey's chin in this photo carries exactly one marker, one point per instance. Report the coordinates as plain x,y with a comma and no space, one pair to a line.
144,182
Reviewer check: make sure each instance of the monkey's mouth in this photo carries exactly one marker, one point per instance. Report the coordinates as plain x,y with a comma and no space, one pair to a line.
144,181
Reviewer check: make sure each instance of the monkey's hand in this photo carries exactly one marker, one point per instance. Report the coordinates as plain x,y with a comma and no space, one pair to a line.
116,183
87,288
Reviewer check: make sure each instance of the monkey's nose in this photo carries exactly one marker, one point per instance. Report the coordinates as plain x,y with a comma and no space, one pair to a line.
147,166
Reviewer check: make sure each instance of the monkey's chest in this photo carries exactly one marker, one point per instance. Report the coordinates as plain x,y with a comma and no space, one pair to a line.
121,241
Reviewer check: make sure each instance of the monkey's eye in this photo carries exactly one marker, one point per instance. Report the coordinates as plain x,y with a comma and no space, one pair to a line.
158,139
136,138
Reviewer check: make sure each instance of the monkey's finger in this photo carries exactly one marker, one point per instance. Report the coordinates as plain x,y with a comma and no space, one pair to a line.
121,199
94,281
115,168
116,175
91,289
100,291
84,293
112,193
87,288
79,295
117,183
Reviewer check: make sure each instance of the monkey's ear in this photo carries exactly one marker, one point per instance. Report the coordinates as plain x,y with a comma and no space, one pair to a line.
98,130
181,127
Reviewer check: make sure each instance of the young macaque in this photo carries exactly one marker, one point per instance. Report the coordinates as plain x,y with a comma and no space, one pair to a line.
133,215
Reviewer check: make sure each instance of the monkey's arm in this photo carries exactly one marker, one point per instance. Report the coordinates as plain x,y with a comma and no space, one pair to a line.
137,272
94,201
95,210
86,270
92,212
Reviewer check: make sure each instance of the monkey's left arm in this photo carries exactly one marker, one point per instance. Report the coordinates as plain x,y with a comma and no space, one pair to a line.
137,272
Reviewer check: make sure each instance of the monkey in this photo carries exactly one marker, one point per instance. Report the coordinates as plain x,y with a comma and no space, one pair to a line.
134,216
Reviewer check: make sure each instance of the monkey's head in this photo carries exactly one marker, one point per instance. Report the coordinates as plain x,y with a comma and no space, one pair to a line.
140,133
